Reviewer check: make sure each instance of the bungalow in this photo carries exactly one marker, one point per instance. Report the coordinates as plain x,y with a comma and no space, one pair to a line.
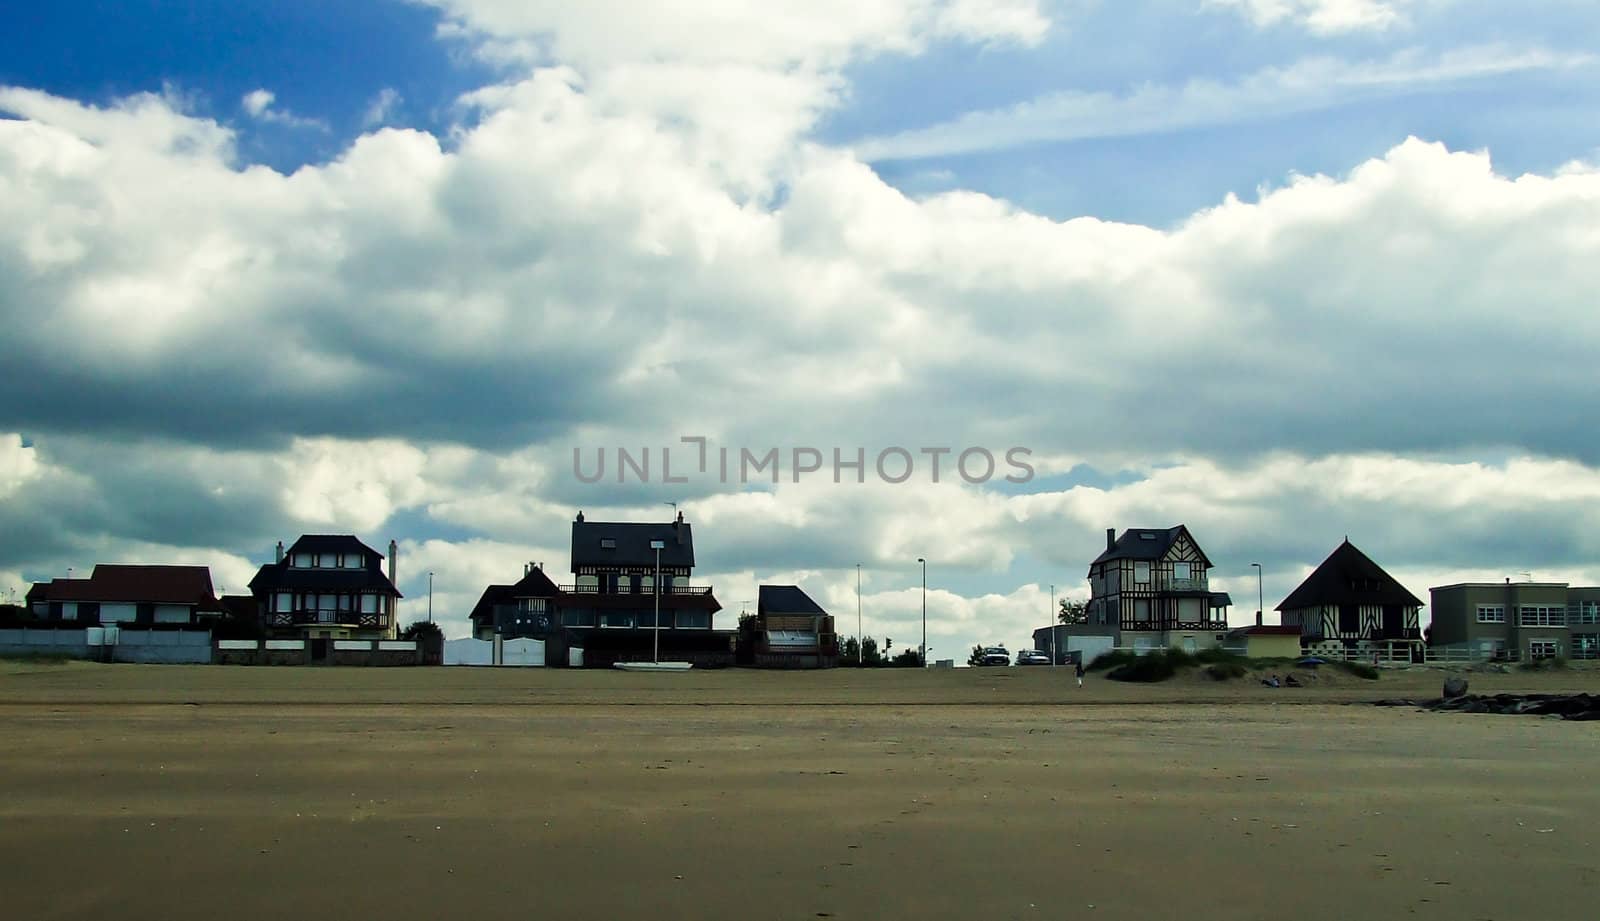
129,594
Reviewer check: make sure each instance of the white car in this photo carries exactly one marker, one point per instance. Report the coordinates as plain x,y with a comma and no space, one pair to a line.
1032,657
995,655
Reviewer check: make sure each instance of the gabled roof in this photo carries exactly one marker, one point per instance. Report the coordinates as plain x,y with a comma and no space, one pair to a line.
534,584
116,582
1148,544
627,543
785,599
1348,576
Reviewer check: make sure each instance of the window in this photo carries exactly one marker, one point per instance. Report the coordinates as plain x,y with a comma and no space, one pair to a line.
1141,610
369,604
1584,612
691,620
647,584
282,602
1586,645
1541,615
647,619
624,585
301,561
577,617
608,543
1543,649
533,605
616,620
1141,573
1180,571
354,561
1491,613
588,584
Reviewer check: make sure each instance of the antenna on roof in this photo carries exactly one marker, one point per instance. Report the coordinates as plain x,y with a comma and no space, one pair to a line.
674,507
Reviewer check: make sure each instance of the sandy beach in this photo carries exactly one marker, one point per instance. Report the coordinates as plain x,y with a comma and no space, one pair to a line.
177,792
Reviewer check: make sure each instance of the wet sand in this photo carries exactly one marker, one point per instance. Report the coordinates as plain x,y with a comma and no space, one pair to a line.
176,792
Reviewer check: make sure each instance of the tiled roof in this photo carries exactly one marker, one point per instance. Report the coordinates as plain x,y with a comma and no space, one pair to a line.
785,599
1348,576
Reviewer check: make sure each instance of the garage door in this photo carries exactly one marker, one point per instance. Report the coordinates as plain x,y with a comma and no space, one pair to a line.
522,652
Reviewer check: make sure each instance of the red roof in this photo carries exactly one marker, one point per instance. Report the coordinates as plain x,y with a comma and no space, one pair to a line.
154,584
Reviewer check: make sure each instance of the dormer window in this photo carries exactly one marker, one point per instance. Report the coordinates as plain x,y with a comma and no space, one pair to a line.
1147,535
608,543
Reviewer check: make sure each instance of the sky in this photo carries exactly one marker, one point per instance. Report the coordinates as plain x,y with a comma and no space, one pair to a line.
1282,271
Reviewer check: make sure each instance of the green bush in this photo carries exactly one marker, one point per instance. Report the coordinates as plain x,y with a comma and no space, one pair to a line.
1112,659
1539,665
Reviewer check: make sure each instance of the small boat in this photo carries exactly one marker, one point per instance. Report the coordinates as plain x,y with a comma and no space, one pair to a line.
654,666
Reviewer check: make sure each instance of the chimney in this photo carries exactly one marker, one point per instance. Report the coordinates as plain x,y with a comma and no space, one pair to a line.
1111,538
580,516
1258,618
527,568
279,557
393,552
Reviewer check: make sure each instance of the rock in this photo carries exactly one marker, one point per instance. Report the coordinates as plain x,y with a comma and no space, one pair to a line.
1455,686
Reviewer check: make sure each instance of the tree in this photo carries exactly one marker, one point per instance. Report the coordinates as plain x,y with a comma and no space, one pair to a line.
869,652
1073,611
908,658
977,656
422,630
850,650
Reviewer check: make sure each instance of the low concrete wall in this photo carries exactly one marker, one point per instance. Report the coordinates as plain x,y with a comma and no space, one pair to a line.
389,653
168,647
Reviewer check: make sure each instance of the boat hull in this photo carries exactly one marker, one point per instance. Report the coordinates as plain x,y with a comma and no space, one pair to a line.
654,666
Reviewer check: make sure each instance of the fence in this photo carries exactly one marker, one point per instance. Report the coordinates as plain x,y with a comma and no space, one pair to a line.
1393,655
110,644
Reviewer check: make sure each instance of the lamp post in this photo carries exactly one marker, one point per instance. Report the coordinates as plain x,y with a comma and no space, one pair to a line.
1052,624
924,611
430,597
1261,600
858,614
655,651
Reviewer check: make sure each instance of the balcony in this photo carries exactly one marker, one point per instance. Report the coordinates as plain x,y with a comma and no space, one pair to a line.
327,618
667,590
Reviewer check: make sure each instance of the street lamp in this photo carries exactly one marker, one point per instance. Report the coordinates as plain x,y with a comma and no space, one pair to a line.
924,611
858,613
430,597
1261,601
655,652
1051,623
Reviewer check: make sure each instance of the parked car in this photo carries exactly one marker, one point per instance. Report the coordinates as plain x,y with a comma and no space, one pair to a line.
995,655
1032,657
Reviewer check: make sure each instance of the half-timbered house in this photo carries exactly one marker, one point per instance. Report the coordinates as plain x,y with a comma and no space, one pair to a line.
1151,586
1350,601
327,587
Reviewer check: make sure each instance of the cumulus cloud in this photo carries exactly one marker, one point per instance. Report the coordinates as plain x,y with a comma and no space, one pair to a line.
409,339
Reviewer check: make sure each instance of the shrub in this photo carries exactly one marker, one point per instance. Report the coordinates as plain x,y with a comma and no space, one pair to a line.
1112,659
1157,666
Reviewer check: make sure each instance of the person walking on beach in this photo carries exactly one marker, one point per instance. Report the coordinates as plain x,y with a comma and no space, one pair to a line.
1079,672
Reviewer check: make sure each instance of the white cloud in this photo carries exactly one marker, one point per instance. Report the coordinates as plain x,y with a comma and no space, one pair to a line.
18,464
261,105
382,108
1308,85
1324,17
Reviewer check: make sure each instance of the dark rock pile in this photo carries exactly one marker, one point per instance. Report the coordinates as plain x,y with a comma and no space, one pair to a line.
1566,706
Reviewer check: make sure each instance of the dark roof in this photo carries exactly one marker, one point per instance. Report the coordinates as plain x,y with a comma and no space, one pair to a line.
1221,600
369,578
135,583
1147,544
631,543
535,584
331,543
785,599
1348,576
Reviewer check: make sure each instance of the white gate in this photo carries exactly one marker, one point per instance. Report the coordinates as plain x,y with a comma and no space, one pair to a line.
524,652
